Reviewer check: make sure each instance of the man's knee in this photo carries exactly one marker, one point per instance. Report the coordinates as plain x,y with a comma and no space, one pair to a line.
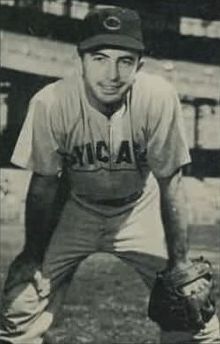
20,304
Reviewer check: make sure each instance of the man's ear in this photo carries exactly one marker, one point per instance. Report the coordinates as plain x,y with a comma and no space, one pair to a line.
141,62
79,64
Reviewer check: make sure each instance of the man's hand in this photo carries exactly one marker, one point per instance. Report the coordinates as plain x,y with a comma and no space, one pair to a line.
21,270
24,269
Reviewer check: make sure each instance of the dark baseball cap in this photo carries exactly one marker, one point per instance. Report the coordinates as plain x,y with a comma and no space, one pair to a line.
113,27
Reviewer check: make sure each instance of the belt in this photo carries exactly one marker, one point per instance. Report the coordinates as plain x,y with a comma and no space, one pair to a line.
116,202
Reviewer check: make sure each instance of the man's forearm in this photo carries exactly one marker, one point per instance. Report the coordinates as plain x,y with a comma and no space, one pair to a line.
40,211
174,217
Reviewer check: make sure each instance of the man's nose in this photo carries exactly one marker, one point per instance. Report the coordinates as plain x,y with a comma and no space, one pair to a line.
113,73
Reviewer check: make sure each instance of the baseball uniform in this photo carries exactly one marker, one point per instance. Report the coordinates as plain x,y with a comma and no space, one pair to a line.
113,204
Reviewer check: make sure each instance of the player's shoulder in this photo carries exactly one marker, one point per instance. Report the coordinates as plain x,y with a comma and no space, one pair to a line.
152,85
58,91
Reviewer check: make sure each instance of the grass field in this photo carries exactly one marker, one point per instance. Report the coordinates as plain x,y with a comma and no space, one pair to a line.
107,302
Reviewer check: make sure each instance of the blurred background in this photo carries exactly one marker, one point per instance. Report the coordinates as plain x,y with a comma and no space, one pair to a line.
107,304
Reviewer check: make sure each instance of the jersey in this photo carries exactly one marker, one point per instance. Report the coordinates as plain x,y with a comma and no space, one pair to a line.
106,158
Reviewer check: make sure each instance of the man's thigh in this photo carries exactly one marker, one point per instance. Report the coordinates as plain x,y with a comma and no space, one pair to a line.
145,265
75,237
138,229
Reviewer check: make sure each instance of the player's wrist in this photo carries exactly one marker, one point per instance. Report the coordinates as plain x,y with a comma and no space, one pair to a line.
179,264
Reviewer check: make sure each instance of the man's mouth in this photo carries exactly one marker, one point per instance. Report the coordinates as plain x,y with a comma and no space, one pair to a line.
110,89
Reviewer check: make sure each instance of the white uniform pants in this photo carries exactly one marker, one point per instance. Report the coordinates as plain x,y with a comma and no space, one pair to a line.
136,237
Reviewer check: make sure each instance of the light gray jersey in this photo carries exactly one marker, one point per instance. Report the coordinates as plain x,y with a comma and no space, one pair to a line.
106,158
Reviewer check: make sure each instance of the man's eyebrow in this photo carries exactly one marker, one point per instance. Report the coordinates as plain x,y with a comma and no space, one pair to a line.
99,53
126,56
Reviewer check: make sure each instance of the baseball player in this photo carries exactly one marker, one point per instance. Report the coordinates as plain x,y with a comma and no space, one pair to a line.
116,134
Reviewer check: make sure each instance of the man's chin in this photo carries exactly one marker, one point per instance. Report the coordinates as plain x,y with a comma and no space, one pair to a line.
110,99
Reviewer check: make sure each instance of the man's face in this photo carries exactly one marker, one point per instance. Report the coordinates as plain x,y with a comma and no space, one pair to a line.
109,73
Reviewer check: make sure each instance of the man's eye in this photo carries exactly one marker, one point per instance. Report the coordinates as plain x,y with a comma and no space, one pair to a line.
127,62
99,58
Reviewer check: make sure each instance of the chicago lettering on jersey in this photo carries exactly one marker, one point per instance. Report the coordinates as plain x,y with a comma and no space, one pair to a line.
89,154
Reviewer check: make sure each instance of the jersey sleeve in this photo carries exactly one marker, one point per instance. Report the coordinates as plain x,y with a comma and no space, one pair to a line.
167,148
39,142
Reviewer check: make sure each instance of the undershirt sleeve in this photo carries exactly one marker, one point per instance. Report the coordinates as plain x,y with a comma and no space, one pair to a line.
38,145
167,148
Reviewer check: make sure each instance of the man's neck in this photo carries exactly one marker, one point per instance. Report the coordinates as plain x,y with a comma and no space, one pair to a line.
109,109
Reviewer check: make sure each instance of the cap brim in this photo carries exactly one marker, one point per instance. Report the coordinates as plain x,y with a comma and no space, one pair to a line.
113,40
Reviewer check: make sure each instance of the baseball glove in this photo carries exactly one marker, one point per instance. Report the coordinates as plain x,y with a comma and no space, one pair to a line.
174,303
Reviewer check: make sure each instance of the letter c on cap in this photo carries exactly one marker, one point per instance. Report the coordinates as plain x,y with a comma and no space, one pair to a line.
112,23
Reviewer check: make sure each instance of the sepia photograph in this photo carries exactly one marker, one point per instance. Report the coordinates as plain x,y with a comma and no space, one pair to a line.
109,172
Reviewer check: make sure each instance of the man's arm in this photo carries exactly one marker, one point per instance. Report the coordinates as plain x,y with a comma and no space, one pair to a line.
174,217
40,213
